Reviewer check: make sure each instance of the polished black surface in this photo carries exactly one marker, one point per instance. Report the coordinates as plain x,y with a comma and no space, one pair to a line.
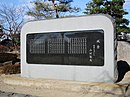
81,48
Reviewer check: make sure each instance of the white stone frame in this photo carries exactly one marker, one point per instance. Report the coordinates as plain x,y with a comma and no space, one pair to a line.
106,73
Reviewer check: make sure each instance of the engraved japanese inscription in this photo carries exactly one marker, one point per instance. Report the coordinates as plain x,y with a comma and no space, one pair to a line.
83,48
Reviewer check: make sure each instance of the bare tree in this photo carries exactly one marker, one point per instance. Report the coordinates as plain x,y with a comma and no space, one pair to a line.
11,18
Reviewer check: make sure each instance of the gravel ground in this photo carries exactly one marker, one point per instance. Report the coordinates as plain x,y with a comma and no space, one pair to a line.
8,94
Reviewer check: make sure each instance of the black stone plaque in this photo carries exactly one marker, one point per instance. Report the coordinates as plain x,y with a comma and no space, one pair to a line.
84,48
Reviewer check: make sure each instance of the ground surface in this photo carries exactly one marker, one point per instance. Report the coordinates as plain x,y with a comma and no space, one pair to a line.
24,87
9,94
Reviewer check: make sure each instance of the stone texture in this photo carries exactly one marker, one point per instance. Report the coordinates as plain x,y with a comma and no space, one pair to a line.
58,88
123,51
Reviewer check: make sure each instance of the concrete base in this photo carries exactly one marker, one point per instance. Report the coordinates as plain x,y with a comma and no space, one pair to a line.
58,88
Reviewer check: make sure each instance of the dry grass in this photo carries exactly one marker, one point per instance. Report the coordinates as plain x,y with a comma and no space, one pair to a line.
10,69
